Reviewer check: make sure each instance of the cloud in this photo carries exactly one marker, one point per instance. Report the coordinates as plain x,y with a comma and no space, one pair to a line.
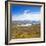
26,12
27,15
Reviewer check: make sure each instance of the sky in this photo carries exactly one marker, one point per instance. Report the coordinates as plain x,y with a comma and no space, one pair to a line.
25,12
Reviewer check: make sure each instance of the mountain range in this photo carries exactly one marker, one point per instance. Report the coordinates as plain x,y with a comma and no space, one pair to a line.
26,22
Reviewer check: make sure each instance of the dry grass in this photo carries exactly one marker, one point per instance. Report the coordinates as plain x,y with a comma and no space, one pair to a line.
25,32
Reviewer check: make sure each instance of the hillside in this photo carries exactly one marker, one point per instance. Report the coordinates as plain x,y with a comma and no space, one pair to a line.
25,32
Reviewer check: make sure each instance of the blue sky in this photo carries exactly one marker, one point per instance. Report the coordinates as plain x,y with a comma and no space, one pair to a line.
24,11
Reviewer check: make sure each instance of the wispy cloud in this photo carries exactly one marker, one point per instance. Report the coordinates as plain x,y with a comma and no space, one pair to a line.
27,15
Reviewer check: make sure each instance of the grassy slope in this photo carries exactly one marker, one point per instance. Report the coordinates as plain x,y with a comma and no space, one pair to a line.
25,32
